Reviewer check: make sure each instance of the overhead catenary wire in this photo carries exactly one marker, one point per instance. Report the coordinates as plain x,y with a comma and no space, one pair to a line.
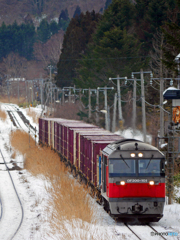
155,106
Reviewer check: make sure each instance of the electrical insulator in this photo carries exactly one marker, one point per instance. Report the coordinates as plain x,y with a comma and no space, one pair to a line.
171,82
151,82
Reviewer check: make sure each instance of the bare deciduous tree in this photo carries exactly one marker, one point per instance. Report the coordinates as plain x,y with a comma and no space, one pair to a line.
49,52
156,64
14,65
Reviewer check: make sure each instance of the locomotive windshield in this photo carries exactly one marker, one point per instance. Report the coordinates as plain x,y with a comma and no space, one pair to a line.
136,167
153,167
122,167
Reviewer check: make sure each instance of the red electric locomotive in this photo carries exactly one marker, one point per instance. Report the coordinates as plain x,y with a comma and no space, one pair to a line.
133,181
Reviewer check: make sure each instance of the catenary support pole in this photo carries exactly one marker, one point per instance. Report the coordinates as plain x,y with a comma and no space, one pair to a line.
89,113
108,118
143,106
119,103
161,99
114,113
134,105
62,96
105,107
97,107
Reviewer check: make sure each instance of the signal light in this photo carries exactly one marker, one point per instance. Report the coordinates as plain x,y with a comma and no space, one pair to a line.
122,183
151,183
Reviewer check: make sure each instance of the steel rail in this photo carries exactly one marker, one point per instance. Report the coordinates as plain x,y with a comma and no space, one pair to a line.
22,210
24,119
11,112
132,231
30,128
156,231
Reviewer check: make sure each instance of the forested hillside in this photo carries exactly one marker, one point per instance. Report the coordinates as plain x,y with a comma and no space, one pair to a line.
124,41
86,47
11,10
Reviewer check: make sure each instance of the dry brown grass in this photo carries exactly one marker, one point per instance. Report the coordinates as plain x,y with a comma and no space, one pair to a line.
3,115
70,199
32,114
4,99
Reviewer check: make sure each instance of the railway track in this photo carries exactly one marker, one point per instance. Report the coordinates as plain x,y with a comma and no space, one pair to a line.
14,113
155,234
17,227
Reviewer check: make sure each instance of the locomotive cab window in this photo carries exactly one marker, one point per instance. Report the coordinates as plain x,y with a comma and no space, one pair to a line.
122,167
151,167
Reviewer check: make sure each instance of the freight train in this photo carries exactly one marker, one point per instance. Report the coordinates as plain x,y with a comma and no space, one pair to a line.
127,176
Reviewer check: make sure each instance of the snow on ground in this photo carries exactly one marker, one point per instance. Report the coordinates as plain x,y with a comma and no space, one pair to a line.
34,195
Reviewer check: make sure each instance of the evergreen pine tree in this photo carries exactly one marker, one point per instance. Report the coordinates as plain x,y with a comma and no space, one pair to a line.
108,2
54,27
76,38
77,11
43,31
64,20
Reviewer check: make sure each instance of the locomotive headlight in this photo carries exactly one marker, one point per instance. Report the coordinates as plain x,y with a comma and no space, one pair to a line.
132,154
140,154
122,183
151,183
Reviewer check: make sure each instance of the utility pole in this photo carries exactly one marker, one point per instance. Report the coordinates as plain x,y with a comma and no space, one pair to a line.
143,106
134,105
69,96
50,68
18,90
89,113
170,161
161,96
62,96
143,99
114,113
8,89
108,117
26,91
89,99
97,107
42,93
119,99
105,107
32,92
51,95
104,89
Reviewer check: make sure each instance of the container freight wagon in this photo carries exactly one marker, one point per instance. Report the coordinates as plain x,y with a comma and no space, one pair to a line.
72,140
67,135
93,146
77,142
47,131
